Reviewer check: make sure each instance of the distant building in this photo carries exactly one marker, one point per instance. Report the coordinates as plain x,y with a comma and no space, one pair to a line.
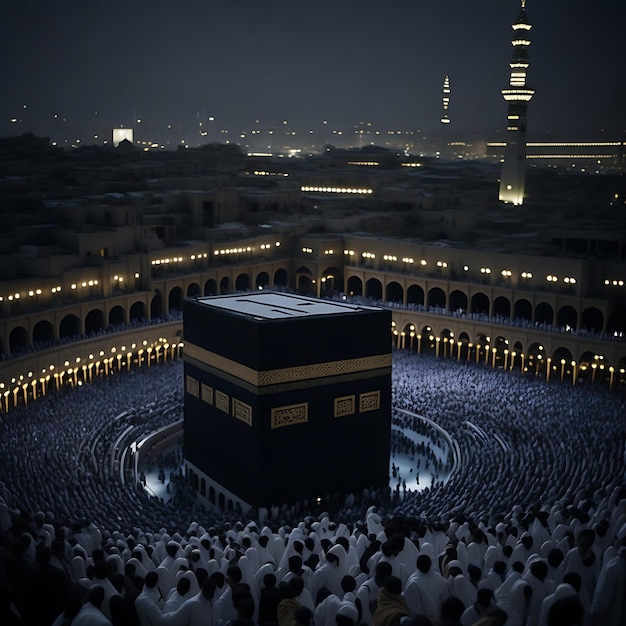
517,95
121,134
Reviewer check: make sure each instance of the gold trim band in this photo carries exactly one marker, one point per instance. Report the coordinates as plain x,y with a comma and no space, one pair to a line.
287,374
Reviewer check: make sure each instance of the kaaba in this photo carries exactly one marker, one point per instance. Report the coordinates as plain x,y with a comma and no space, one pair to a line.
287,397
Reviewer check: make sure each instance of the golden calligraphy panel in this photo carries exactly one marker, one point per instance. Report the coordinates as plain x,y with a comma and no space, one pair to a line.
192,386
222,401
242,411
346,405
369,401
206,393
289,415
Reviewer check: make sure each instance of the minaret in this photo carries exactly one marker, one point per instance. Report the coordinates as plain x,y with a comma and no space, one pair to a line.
445,100
517,96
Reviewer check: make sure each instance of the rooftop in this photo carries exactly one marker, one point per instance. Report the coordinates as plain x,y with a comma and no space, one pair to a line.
269,305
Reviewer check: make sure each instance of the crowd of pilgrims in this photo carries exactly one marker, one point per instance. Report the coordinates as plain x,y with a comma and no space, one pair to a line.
528,529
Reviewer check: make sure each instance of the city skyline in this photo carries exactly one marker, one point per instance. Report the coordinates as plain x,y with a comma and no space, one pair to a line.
250,64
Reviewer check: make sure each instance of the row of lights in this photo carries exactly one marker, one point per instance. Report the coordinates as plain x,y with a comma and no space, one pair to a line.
264,173
167,261
22,382
615,283
232,250
307,250
329,252
597,364
349,190
85,283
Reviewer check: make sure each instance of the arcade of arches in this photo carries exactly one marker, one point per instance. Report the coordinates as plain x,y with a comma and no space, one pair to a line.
532,331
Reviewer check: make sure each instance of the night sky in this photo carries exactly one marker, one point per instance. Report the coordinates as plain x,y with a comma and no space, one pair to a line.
98,63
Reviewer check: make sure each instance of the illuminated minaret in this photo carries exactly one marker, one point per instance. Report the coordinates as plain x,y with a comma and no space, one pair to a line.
445,100
517,94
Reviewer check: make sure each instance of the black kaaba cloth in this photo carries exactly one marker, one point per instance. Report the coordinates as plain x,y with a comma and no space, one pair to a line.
287,397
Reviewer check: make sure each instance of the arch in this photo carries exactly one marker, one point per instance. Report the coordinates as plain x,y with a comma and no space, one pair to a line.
616,323
458,301
394,292
463,346
175,300
156,304
427,341
94,321
523,310
242,282
332,280
584,365
592,319
481,346
500,343
437,297
415,295
410,336
69,327
374,289
567,318
535,349
224,286
446,343
43,334
18,340
262,280
221,501
117,315
480,304
586,358
212,494
355,286
138,311
537,360
193,290
544,314
304,281
203,486
502,307
210,288
562,360
562,353
280,277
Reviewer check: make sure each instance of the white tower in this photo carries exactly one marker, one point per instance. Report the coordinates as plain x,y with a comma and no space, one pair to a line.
518,94
445,100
